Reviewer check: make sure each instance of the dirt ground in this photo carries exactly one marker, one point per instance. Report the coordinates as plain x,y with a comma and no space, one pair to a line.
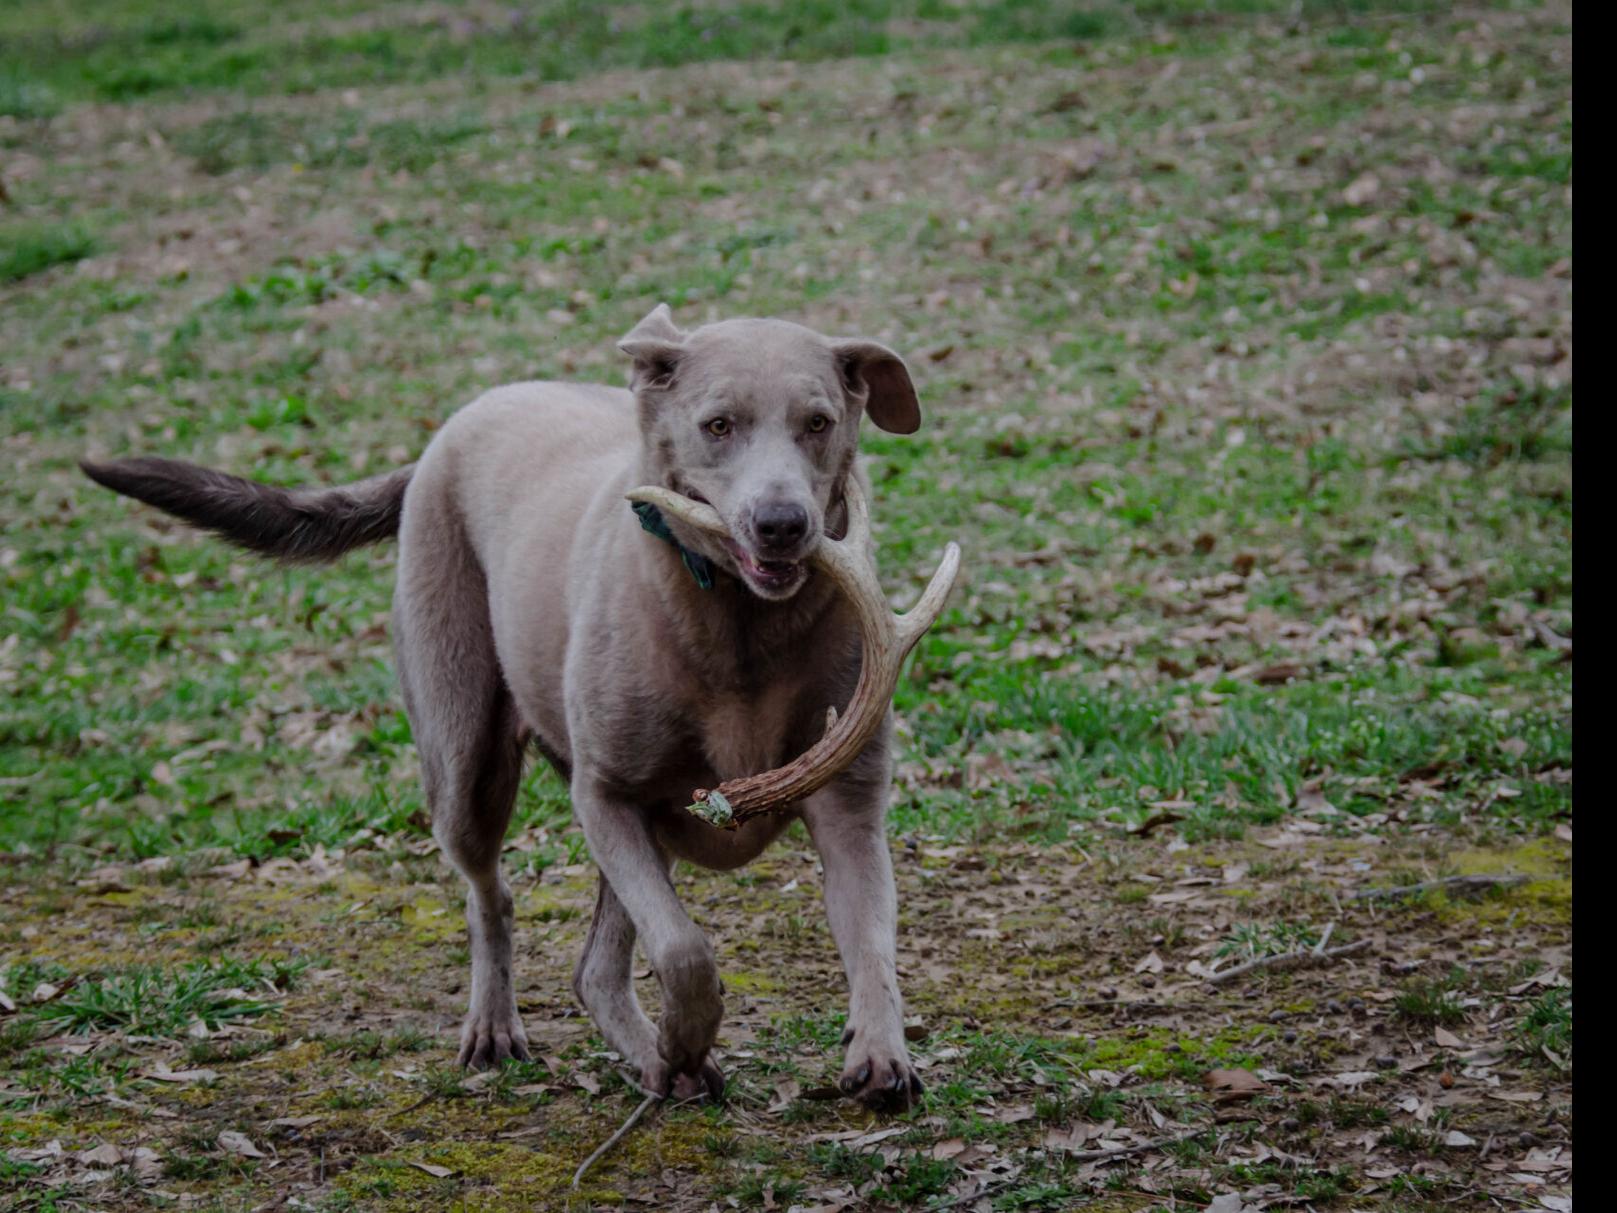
1060,1008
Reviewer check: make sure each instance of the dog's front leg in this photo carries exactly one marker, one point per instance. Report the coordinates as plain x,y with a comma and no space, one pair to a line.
846,821
637,888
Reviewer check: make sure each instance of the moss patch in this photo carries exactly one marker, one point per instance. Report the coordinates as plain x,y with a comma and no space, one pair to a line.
1546,898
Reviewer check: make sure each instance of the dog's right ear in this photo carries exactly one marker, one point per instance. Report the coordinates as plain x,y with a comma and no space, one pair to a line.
656,345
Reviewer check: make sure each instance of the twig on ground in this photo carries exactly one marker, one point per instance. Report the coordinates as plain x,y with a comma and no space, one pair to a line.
1287,961
425,1099
1319,948
1159,1143
1080,1156
623,1131
985,1190
1466,885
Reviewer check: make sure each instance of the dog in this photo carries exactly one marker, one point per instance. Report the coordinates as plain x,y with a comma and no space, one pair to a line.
534,610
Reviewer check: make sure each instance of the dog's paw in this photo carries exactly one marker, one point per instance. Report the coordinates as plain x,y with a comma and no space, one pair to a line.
708,1081
488,1040
882,1081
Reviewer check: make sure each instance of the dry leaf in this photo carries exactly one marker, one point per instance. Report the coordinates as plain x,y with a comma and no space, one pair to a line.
870,1139
104,1155
239,1143
434,1170
146,1163
786,1093
1362,190
1073,1138
1175,898
1353,1078
162,1073
1229,1086
1156,821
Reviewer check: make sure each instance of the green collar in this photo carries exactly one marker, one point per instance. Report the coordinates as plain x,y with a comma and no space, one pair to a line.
652,521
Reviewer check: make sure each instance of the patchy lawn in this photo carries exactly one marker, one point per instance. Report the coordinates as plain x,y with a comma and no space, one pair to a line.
1244,336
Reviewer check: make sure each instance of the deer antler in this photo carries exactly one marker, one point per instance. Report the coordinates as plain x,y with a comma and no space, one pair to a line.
886,639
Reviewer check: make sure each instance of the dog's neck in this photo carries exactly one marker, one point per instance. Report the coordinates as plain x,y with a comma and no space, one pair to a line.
737,640
727,637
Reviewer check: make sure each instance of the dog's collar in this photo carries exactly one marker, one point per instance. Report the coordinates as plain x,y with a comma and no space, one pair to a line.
652,521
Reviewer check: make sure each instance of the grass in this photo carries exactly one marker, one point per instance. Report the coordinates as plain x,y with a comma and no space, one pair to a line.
1545,1030
1427,1001
122,53
155,1002
1243,338
1252,940
32,249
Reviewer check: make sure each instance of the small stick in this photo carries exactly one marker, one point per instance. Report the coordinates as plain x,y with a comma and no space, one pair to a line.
1120,1151
623,1131
1287,960
425,1099
1462,884
1319,948
979,1194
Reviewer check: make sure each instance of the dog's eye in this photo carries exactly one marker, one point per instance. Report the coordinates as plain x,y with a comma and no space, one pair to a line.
718,427
819,423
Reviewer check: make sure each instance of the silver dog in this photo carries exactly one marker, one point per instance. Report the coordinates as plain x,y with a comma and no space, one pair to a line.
532,607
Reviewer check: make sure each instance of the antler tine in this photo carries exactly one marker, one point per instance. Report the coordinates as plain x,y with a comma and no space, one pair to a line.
853,495
913,623
885,640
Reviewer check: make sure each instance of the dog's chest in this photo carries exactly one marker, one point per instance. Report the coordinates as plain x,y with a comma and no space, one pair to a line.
742,735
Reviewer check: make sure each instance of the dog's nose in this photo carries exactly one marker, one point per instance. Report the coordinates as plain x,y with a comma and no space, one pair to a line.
780,525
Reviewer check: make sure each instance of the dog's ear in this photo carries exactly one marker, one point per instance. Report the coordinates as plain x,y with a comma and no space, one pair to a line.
656,345
870,369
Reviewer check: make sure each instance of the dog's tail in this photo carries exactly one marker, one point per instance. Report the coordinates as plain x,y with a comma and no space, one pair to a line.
301,526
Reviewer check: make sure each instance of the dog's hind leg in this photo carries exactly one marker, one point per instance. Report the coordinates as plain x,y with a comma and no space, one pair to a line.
469,736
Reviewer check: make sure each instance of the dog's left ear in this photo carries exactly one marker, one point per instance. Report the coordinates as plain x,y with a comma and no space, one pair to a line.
656,345
871,369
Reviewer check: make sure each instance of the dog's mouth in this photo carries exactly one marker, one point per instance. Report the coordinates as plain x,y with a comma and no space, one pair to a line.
768,578
771,577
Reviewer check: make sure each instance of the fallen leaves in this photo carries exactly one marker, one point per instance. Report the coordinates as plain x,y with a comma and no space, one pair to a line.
238,1144
434,1170
162,1073
1233,1086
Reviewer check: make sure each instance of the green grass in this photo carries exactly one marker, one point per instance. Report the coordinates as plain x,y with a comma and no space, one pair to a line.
31,249
130,52
1252,940
157,1002
1544,1032
1431,1002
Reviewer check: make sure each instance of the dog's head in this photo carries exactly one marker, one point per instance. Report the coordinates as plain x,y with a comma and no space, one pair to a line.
760,418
